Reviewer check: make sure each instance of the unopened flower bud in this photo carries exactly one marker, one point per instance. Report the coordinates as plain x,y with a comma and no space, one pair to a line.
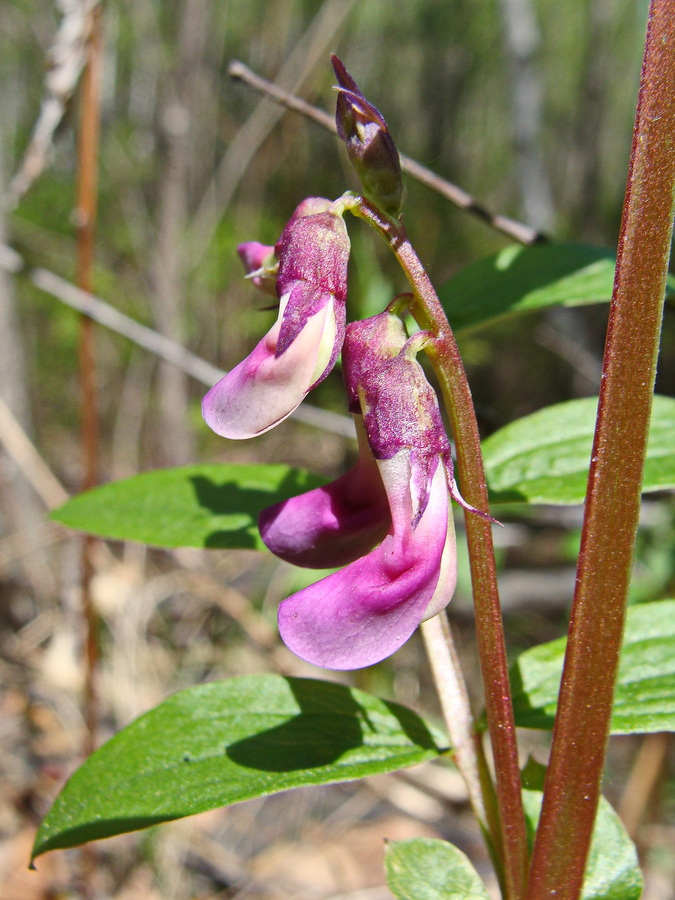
369,145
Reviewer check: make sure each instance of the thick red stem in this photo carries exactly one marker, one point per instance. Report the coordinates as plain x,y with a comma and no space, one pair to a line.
613,500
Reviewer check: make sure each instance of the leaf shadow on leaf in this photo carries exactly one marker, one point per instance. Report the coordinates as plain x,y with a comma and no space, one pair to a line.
231,499
508,282
527,715
510,496
330,724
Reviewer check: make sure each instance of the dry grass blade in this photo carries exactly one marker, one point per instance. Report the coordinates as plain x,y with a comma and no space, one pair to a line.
65,62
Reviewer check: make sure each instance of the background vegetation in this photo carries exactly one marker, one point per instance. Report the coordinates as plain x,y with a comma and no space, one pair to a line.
527,104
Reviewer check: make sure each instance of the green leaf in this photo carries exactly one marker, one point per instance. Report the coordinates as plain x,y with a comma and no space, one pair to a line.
612,869
521,279
224,742
544,457
430,869
192,506
645,693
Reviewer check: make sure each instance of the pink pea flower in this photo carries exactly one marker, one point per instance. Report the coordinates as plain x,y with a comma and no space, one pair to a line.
301,347
334,524
366,611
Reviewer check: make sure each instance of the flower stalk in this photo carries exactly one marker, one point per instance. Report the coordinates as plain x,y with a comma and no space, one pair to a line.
447,363
581,731
456,708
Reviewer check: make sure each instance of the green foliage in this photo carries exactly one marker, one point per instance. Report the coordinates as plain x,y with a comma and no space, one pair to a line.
430,869
427,869
523,279
544,457
645,692
612,869
224,742
190,506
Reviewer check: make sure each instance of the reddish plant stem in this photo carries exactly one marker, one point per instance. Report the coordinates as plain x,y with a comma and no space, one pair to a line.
449,368
582,724
87,185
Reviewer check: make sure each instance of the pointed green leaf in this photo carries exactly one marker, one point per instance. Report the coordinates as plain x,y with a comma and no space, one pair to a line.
645,693
224,742
521,279
430,869
191,506
544,457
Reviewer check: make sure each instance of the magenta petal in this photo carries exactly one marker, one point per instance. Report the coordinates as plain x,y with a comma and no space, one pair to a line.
362,614
332,525
264,389
261,265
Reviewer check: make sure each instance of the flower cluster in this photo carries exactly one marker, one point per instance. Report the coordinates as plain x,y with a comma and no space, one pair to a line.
387,521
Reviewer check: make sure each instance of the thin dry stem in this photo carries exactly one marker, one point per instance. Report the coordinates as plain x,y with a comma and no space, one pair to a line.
87,187
452,192
454,698
24,453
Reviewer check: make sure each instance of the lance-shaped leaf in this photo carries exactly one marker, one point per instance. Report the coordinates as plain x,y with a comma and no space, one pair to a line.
215,506
523,279
224,742
645,692
544,457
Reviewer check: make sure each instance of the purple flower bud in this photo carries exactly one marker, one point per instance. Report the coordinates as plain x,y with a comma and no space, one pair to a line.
369,145
302,346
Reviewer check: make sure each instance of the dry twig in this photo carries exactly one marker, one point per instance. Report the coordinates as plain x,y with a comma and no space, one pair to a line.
515,230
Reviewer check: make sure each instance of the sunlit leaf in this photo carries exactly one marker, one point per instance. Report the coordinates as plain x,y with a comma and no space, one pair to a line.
645,693
544,457
224,742
521,279
190,506
431,869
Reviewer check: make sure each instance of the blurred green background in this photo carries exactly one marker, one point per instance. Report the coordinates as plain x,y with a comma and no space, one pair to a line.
526,104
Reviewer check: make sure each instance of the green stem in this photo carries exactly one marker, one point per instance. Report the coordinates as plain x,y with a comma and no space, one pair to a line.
449,368
582,724
455,705
467,746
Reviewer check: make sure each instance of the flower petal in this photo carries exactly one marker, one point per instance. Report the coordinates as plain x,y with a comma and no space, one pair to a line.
332,525
264,389
261,265
362,614
447,576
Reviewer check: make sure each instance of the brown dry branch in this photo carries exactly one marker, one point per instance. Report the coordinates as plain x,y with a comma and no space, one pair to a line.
65,62
517,231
